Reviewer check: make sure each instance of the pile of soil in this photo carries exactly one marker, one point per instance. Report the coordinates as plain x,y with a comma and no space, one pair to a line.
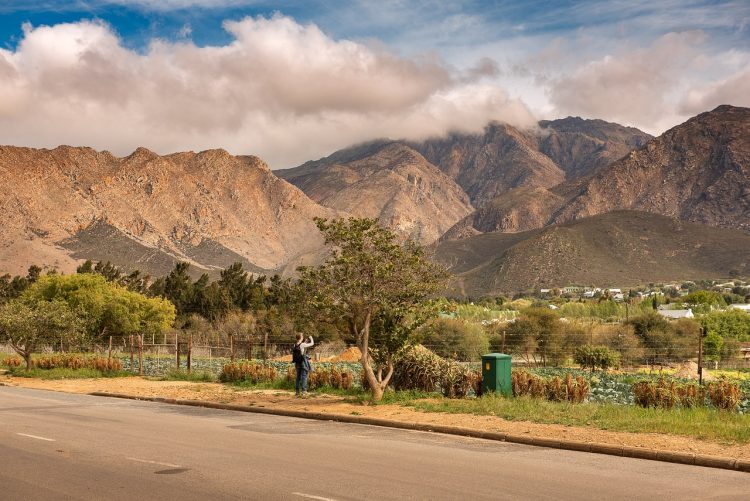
689,370
348,355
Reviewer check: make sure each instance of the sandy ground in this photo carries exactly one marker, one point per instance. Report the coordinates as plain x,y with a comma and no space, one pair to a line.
335,405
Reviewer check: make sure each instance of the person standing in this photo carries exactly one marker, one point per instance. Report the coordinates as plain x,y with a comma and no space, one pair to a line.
301,363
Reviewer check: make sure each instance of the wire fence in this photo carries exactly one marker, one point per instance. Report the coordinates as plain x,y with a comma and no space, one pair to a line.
159,354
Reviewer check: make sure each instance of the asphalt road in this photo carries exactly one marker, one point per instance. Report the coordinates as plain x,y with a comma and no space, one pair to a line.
64,446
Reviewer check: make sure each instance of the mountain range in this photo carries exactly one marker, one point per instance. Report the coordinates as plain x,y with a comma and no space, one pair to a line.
508,209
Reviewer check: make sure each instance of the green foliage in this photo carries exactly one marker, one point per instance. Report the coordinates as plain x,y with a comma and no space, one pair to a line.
713,345
454,338
175,374
27,326
134,281
698,422
370,275
604,310
588,356
732,323
104,307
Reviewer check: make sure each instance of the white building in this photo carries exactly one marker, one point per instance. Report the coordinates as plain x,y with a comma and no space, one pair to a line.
675,314
743,307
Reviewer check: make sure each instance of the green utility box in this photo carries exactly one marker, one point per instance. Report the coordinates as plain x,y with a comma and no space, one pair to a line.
496,374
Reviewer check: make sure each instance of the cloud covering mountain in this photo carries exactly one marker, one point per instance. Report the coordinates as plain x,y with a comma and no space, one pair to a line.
291,81
288,88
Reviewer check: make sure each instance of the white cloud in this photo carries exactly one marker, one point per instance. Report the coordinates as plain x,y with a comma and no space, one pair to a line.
733,90
284,91
636,86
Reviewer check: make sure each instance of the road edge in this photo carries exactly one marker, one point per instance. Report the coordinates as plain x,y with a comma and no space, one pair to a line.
687,458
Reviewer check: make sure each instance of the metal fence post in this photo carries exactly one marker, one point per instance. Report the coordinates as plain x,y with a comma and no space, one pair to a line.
140,354
190,353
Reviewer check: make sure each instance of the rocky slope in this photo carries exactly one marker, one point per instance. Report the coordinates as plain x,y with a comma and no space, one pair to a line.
503,157
698,171
621,248
145,210
581,147
388,181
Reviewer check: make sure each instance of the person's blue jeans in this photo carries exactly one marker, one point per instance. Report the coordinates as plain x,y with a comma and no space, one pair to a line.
300,385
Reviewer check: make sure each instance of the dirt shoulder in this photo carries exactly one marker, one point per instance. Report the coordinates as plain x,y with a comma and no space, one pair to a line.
278,399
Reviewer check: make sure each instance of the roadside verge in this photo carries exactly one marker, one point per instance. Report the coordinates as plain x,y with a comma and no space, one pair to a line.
592,447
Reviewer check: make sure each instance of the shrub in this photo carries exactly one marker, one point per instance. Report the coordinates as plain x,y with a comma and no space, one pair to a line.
596,356
569,389
456,338
526,383
476,382
456,380
417,368
724,394
12,361
75,362
668,394
247,371
105,364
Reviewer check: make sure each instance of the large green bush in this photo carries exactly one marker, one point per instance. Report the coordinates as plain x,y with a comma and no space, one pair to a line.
588,356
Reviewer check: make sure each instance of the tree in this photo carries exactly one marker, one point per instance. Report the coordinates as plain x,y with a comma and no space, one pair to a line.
455,338
537,335
702,301
732,323
104,307
596,356
244,292
664,340
27,326
369,273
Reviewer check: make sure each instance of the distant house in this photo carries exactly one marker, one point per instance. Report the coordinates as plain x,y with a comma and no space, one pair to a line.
676,314
743,307
615,291
572,289
619,297
589,294
545,291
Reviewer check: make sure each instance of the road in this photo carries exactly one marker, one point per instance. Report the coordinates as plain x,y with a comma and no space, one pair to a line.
65,446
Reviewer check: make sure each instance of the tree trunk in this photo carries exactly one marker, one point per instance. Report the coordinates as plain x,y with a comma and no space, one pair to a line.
27,357
363,343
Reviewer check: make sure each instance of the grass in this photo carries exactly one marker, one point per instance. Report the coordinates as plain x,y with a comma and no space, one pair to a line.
175,374
701,423
61,373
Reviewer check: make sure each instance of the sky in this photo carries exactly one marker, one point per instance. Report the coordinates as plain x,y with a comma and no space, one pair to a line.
294,81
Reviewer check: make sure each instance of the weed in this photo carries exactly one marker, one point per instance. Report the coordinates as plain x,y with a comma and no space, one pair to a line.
175,374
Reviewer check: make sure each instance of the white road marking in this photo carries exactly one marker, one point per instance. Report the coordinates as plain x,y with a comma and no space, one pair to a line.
170,465
36,437
310,496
